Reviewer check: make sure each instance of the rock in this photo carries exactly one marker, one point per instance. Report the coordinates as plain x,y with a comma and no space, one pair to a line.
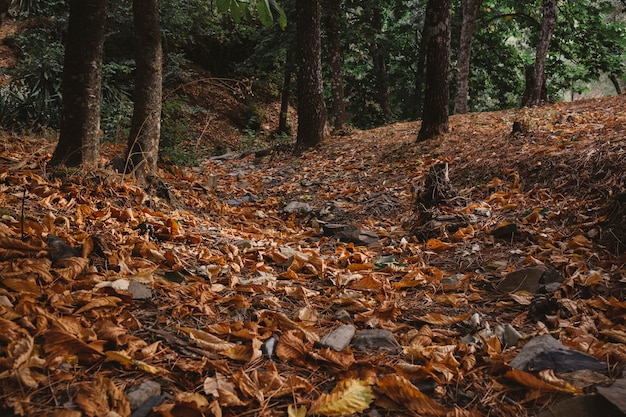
137,395
510,337
585,406
615,394
343,316
376,339
529,279
298,207
339,338
545,352
268,347
349,233
139,291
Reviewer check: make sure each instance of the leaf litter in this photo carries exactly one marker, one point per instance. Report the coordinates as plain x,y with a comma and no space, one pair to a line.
207,286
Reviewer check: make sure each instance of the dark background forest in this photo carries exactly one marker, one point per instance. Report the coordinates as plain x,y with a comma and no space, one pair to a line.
382,63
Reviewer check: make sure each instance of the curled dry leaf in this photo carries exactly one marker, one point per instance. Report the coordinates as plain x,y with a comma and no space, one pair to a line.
348,397
407,395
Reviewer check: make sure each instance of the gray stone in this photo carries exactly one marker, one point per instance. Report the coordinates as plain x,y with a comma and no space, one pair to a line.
376,339
298,207
139,291
615,394
545,352
137,395
585,406
339,338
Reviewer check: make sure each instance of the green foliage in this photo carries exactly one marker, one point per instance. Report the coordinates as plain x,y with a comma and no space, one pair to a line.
267,11
117,106
32,100
176,144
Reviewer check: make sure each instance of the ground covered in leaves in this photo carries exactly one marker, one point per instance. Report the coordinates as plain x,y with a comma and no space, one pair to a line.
215,289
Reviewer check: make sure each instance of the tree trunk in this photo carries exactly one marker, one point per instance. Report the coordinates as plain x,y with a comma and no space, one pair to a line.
311,106
379,56
420,68
283,122
437,94
536,91
333,19
145,130
615,82
79,139
470,11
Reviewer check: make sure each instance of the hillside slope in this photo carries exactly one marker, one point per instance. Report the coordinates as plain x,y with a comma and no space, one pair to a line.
104,286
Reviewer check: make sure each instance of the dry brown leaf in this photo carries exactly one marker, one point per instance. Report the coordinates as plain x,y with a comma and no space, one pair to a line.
206,340
291,347
402,392
108,301
529,380
437,319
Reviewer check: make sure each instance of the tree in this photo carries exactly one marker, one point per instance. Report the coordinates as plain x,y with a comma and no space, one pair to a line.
536,81
436,96
333,20
379,52
79,138
469,11
311,106
143,141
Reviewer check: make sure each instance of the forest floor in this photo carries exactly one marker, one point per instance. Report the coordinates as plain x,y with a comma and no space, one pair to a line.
213,291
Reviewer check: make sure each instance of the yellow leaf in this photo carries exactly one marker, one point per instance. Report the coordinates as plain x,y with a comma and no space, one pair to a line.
293,411
438,319
348,397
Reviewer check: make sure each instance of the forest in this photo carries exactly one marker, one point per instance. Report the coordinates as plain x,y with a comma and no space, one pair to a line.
312,207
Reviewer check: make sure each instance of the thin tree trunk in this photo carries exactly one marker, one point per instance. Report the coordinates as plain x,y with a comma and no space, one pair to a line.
420,69
333,20
470,11
615,82
311,106
380,66
79,139
437,95
145,130
283,122
536,91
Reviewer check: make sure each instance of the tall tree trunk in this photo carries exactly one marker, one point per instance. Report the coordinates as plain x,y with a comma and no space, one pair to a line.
535,91
145,130
470,11
311,106
333,20
79,139
420,68
379,56
283,122
437,95
615,82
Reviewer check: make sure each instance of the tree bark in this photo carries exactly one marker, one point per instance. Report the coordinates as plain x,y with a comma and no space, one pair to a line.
283,122
534,93
615,82
145,130
311,106
420,69
79,139
437,94
380,66
333,20
470,11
